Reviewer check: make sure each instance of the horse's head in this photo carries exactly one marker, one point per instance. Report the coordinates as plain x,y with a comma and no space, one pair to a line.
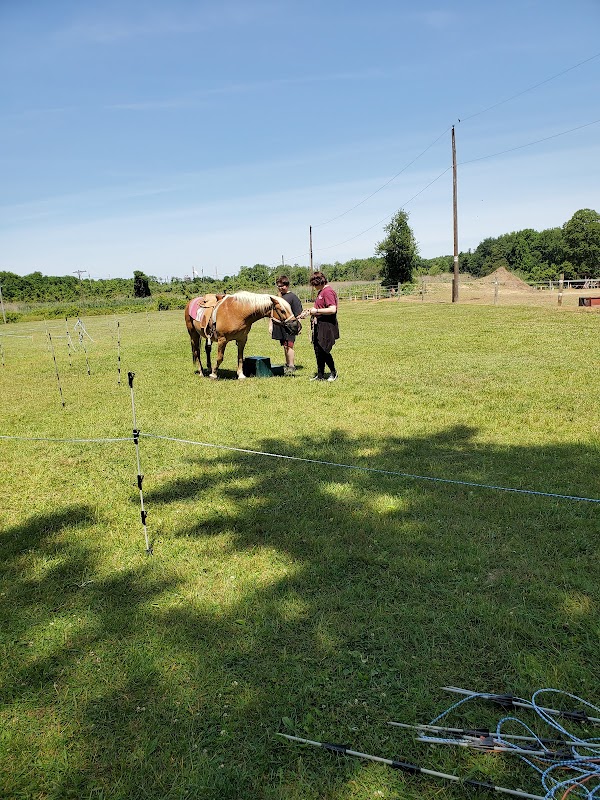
281,309
282,312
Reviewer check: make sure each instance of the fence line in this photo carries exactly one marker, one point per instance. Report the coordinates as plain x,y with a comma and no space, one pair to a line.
361,290
137,434
375,470
413,476
55,439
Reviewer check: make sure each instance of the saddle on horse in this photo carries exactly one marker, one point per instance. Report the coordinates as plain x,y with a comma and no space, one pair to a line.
204,311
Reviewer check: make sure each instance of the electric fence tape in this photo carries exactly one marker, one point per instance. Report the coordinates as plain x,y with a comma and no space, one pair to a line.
410,475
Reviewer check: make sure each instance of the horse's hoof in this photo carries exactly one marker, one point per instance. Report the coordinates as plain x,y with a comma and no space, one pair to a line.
241,377
212,377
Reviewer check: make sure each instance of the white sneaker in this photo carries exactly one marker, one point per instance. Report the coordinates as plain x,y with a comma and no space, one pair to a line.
317,378
332,377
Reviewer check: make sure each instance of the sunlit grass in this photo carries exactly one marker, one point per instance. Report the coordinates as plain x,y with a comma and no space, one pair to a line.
284,592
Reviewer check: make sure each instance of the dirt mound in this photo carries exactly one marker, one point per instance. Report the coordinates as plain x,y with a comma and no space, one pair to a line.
505,279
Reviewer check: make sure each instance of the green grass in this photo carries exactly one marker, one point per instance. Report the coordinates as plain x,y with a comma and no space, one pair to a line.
284,595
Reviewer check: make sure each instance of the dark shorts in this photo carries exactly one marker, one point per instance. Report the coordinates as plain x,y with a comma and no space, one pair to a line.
284,341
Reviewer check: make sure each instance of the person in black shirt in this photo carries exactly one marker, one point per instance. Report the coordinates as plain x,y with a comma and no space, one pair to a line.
278,333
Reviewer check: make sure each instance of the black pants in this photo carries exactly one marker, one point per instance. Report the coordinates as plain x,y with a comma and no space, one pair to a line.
323,359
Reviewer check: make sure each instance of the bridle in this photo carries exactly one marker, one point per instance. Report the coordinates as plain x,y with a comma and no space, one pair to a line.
285,322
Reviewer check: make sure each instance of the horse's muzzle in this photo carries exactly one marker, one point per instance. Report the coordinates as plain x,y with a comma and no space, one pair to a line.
292,327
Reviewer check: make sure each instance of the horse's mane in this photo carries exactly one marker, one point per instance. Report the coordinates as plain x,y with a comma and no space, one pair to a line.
258,302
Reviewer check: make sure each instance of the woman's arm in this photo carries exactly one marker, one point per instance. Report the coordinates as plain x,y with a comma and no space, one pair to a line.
317,312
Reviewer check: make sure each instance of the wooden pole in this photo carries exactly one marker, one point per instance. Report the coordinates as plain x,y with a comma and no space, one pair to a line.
561,284
455,216
311,254
2,304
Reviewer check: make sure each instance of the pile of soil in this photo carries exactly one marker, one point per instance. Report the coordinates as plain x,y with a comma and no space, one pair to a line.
505,279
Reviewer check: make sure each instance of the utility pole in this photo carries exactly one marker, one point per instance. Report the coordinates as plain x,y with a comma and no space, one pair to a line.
2,304
455,215
311,258
79,273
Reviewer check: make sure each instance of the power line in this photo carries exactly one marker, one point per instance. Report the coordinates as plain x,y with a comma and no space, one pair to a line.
393,178
339,244
529,89
462,163
463,119
529,144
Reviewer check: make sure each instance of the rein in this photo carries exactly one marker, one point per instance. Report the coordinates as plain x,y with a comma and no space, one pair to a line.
293,330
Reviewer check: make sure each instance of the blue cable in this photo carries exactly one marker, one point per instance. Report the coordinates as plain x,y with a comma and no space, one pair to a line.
583,765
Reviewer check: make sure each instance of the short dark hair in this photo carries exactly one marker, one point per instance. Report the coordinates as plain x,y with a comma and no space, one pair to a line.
318,279
282,280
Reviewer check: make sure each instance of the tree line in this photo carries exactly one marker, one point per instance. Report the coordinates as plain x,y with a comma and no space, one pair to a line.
536,256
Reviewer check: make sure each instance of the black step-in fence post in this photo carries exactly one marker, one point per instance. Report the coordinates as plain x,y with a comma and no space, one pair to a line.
140,477
51,348
69,342
118,353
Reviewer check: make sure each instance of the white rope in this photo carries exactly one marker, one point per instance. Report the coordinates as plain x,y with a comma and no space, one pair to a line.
374,470
378,471
53,439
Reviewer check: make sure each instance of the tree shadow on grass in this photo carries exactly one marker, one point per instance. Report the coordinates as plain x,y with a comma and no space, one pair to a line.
334,599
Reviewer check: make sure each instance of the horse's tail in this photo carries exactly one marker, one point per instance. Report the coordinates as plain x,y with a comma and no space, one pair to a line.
187,316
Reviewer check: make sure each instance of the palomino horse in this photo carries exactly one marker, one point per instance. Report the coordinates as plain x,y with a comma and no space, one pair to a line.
222,319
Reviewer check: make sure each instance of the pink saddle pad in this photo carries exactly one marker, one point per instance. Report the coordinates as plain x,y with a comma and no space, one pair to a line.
196,307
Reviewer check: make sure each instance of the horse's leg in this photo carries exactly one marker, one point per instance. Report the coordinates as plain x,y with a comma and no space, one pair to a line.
195,343
241,343
221,345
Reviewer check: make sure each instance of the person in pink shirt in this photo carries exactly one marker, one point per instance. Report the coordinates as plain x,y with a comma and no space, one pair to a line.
324,325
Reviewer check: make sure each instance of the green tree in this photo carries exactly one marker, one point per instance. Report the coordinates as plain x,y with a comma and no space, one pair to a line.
140,284
257,277
582,238
399,251
298,275
523,254
488,257
552,248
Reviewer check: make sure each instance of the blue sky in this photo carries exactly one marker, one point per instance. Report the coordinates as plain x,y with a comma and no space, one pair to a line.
164,136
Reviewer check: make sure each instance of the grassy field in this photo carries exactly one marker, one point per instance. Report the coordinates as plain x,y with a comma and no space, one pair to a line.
286,595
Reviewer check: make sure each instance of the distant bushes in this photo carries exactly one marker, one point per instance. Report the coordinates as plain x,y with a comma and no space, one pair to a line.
170,303
31,312
572,250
